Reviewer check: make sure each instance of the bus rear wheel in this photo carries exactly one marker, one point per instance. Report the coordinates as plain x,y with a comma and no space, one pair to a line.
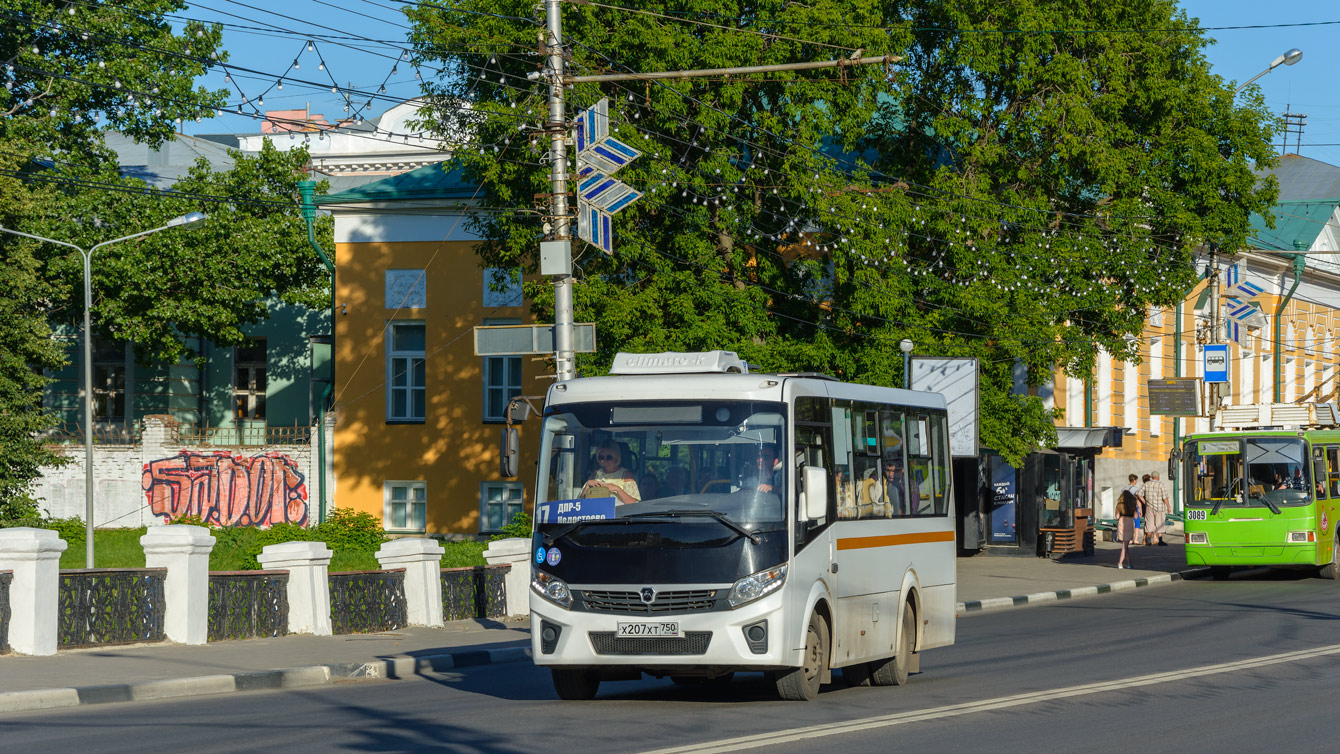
576,685
894,670
1332,569
802,684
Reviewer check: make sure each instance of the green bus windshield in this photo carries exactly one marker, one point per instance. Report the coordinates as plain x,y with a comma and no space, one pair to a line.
1248,471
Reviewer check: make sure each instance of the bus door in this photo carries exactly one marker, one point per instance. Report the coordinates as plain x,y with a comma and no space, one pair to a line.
879,484
813,444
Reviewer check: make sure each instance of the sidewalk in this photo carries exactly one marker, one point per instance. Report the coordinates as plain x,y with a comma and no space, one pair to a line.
160,671
985,583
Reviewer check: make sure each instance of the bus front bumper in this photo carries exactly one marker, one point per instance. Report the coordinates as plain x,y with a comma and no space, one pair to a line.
1262,555
710,639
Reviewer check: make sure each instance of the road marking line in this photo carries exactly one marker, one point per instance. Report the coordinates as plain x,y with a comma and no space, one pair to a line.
985,705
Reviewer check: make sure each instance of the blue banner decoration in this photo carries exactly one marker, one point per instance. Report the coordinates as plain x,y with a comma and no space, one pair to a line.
599,196
572,511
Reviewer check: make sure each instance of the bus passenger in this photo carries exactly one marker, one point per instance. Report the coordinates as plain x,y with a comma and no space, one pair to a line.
889,488
760,470
649,486
846,501
676,481
611,479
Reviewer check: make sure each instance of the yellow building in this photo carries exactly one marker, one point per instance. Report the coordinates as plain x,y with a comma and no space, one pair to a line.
1291,356
1284,347
417,413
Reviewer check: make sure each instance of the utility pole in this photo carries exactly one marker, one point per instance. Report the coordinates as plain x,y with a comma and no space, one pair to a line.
556,251
565,367
1215,332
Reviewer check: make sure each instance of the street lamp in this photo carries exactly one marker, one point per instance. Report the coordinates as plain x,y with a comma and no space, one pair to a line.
1288,58
906,347
185,221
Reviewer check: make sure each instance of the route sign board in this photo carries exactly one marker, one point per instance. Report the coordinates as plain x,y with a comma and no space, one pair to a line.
1175,397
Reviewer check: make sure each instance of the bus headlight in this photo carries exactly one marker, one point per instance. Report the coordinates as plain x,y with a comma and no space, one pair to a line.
1197,538
551,588
756,585
1295,537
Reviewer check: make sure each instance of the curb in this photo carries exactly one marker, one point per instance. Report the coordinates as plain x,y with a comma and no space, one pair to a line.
1001,603
260,680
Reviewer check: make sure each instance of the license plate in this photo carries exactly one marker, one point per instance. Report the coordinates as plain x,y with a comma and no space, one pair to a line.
1195,515
649,630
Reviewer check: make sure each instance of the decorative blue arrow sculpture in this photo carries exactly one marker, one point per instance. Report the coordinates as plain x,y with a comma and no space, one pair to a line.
599,196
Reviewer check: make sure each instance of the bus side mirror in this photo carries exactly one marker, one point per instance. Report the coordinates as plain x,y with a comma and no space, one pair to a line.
816,492
1173,457
518,410
508,453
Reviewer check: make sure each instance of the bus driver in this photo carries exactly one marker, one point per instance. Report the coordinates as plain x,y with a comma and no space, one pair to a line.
611,479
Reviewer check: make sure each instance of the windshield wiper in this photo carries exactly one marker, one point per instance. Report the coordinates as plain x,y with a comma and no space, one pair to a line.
1215,510
723,518
552,537
1273,508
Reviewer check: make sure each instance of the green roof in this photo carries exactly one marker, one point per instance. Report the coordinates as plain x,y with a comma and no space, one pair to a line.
1295,222
443,180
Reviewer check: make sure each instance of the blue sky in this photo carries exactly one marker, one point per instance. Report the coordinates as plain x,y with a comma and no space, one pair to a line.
361,39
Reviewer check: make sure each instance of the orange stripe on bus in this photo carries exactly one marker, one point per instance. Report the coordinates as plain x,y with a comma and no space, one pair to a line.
892,540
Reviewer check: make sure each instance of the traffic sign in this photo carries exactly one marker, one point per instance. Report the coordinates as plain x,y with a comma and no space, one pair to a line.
1216,362
599,195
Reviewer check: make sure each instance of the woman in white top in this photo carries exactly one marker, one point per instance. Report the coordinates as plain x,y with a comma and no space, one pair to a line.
611,479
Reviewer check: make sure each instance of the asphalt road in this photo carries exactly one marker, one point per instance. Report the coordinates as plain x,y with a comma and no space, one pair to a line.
1245,665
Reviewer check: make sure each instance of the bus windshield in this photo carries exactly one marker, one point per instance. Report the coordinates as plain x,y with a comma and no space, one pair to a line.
672,461
1251,471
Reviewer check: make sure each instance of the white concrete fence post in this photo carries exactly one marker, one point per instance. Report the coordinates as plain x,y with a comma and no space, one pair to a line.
516,552
184,552
308,565
33,555
422,560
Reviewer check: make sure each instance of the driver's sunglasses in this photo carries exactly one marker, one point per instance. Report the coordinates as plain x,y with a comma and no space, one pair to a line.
605,457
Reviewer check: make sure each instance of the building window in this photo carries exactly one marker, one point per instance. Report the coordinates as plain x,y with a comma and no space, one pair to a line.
498,503
502,383
405,397
405,506
109,382
249,380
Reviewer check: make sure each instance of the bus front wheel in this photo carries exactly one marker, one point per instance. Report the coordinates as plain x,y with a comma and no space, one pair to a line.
576,685
894,670
1332,569
802,684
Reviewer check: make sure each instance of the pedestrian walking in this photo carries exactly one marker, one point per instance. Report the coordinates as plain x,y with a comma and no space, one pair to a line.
1125,526
1140,511
1157,504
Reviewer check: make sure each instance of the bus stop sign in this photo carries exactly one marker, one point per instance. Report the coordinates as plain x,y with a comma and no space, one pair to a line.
1216,362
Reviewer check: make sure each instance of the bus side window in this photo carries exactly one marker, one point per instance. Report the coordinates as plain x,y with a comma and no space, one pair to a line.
813,446
920,479
939,449
1333,466
893,453
845,486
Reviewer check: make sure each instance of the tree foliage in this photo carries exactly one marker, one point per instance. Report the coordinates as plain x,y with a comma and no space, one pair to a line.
1021,187
163,291
74,70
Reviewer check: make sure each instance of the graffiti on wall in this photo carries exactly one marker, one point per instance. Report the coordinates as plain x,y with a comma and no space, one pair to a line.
227,489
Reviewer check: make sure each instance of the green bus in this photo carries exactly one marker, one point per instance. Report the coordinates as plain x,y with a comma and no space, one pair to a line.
1263,495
